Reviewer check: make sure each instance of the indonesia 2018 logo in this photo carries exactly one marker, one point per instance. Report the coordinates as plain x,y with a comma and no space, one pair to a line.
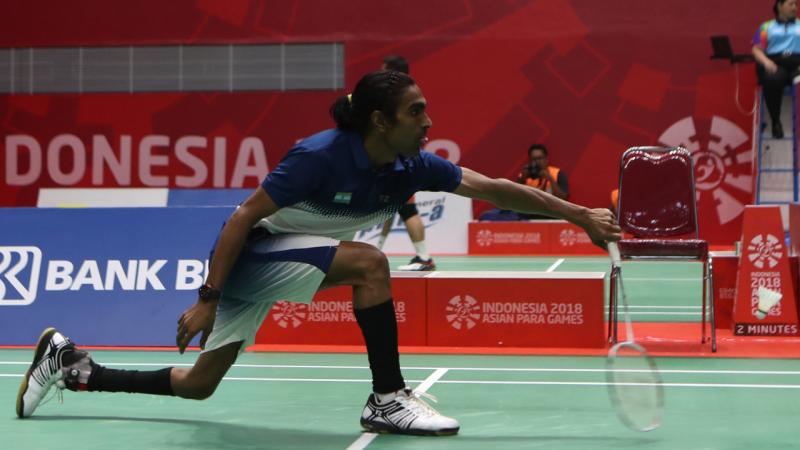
484,238
462,312
19,274
763,250
568,237
289,314
722,169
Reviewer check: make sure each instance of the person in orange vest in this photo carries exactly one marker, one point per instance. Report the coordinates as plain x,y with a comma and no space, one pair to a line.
540,174
614,206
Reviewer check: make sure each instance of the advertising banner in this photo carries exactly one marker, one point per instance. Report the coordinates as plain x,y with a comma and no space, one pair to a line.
103,276
536,237
516,309
509,238
570,239
329,319
445,217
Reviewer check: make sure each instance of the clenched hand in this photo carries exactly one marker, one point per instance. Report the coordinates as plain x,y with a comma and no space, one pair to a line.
601,226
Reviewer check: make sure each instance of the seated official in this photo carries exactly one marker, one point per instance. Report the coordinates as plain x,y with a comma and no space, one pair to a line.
538,173
776,49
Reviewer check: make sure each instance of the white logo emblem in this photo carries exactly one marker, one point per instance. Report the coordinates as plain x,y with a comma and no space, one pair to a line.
289,313
463,312
568,237
484,238
762,250
19,274
723,170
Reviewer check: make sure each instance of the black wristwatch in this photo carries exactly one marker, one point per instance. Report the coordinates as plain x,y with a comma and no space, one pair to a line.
208,293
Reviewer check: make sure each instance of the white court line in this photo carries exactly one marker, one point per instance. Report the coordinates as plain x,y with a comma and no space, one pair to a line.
666,280
433,378
364,440
520,383
465,369
662,313
604,383
663,307
554,265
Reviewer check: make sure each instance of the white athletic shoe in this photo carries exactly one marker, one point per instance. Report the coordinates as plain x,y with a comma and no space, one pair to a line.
44,371
406,413
418,264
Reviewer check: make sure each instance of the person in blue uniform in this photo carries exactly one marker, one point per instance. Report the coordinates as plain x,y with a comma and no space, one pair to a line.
292,238
776,49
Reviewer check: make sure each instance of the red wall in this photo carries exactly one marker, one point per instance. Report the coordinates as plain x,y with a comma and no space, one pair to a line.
588,78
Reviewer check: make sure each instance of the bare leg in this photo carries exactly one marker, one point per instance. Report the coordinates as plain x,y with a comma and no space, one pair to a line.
363,267
202,379
416,230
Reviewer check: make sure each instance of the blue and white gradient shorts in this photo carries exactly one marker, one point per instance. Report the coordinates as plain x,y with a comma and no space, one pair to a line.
270,268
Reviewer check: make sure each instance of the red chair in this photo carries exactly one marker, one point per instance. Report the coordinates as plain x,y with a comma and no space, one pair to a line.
657,206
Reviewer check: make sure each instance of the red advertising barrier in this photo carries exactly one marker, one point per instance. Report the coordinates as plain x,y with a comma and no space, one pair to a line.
329,318
725,268
508,238
540,237
724,272
764,263
518,309
506,309
569,239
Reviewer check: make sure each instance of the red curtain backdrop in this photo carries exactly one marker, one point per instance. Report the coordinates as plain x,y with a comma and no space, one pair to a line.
587,78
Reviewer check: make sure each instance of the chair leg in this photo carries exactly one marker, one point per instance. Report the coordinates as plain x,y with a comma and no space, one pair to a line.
710,275
705,291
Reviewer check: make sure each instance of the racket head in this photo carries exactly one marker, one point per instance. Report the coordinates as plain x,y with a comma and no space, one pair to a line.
634,386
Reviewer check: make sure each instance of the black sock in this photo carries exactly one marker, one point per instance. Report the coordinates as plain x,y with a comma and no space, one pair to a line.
113,380
379,327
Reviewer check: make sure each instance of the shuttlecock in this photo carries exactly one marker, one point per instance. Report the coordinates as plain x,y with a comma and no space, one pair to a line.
766,300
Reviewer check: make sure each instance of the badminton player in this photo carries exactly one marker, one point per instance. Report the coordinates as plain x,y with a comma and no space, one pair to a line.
292,238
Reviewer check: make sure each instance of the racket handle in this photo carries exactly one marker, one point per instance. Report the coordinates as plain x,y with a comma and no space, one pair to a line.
613,252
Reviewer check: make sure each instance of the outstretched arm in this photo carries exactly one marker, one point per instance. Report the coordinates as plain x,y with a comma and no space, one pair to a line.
599,223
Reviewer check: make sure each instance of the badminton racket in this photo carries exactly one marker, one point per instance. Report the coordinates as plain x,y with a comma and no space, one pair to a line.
634,383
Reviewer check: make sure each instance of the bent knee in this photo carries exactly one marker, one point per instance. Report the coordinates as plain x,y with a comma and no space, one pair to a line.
198,392
201,393
190,386
374,265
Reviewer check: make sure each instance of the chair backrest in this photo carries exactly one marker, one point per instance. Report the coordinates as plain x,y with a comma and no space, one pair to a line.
657,193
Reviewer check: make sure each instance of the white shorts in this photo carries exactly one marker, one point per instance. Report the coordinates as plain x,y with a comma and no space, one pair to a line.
270,268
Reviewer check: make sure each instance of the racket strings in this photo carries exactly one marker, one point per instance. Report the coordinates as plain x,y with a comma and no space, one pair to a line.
621,293
634,383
